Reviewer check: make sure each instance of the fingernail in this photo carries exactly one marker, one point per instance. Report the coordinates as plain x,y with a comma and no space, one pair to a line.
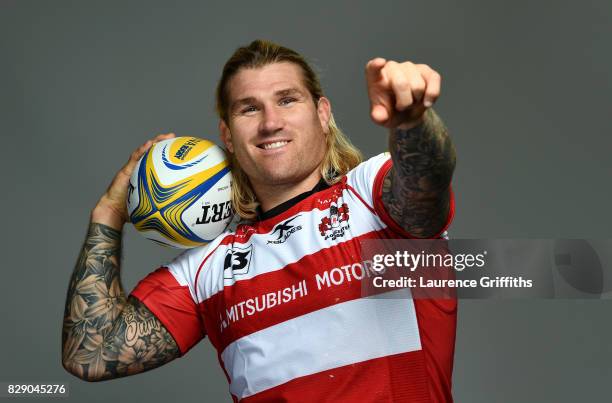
427,104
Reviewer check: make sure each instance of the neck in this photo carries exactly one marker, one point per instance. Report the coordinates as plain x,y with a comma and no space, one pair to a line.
271,195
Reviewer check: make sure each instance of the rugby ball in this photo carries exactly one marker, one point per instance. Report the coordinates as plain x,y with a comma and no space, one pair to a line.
179,194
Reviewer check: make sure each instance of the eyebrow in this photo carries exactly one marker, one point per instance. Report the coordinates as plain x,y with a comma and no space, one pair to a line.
280,93
288,91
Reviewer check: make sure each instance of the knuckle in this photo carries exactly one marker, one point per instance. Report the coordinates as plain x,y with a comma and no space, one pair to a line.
392,63
134,157
401,106
125,171
418,88
402,85
433,92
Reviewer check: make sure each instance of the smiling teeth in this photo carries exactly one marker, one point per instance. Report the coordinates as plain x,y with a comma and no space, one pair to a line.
278,144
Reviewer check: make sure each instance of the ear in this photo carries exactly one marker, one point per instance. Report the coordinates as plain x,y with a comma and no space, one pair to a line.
226,136
324,112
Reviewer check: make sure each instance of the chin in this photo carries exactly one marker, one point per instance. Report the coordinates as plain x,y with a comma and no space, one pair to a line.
279,178
283,172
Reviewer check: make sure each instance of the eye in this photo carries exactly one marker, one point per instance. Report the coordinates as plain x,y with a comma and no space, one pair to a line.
286,101
248,109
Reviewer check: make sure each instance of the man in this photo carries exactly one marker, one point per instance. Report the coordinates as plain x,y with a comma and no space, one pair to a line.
262,292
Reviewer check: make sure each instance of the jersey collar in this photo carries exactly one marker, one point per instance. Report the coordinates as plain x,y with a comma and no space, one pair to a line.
264,215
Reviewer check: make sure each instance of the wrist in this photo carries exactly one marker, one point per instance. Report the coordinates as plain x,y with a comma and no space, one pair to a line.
426,117
108,215
411,124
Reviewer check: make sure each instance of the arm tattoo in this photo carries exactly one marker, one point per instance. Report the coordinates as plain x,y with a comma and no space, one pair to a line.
416,190
106,335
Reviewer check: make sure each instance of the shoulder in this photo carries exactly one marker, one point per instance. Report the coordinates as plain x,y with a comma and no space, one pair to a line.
239,231
366,179
371,164
365,173
190,260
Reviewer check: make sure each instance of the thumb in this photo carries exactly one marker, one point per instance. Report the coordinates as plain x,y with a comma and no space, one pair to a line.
379,113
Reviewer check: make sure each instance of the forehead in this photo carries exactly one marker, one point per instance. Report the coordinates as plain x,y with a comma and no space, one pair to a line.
261,81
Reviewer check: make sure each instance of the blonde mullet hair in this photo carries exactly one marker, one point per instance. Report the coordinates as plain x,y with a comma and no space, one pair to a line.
340,156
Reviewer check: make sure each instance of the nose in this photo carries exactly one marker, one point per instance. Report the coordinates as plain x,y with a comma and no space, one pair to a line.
272,121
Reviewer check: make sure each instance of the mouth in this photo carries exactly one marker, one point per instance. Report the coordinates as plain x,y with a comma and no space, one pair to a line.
272,145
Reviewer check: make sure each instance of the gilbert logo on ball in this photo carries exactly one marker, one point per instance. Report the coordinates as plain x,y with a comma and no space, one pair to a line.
179,193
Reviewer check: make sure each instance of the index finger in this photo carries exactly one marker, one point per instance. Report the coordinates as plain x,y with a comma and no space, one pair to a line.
373,69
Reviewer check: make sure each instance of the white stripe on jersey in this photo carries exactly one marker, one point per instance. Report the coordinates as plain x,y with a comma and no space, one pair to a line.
331,337
185,267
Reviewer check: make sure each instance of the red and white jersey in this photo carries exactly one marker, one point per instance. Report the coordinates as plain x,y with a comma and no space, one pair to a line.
281,301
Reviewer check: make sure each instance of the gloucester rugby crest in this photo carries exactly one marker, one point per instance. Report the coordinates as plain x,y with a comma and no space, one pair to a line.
335,225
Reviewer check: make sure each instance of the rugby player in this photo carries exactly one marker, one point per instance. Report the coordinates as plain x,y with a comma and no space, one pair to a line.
278,295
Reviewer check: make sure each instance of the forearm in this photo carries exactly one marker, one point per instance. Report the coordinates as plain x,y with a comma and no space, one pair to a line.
416,192
95,296
104,335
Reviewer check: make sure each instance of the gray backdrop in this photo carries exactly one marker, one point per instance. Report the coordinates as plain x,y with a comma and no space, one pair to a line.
526,94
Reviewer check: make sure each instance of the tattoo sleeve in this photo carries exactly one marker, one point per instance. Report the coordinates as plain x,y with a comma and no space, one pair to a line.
416,190
104,334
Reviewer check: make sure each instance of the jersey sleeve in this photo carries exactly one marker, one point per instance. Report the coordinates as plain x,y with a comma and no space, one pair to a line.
367,179
169,294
